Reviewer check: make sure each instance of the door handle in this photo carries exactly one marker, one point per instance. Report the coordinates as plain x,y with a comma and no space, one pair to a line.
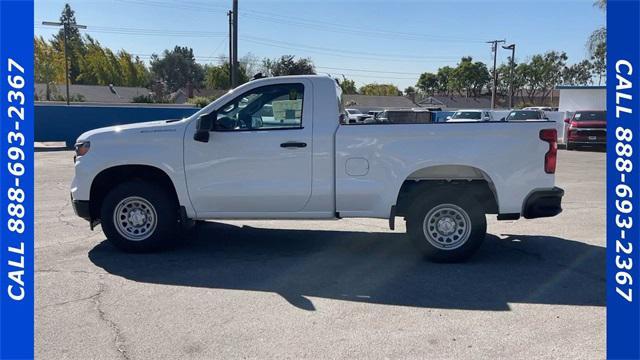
293,144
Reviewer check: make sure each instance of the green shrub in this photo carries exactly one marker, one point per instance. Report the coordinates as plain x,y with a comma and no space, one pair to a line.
201,101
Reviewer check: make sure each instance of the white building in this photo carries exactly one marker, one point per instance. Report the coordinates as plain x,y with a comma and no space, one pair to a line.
574,98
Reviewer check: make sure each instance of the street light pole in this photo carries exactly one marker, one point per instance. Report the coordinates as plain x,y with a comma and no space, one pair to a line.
65,29
512,65
494,48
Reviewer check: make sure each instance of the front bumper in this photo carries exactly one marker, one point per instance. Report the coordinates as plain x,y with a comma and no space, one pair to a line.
82,209
543,203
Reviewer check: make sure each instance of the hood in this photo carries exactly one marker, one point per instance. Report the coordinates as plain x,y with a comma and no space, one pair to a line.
142,127
589,124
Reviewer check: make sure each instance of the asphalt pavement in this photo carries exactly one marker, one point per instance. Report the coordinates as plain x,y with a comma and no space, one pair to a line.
323,289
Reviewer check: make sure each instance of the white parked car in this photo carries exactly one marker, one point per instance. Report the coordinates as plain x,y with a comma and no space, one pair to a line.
470,115
541,108
356,116
526,115
145,182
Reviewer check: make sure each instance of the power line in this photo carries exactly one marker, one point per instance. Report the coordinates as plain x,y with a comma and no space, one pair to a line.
220,60
148,32
308,23
342,52
338,28
271,43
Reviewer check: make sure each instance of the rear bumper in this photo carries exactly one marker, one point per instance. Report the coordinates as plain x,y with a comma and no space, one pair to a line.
82,209
543,203
587,142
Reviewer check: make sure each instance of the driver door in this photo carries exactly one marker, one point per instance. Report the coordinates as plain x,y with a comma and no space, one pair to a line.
258,157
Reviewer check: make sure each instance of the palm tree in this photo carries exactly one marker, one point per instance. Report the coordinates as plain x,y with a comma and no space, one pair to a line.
599,36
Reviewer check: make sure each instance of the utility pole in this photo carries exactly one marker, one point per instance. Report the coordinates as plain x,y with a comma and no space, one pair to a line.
512,65
65,31
234,66
231,77
494,48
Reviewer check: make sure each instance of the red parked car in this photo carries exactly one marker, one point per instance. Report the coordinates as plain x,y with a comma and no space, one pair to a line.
586,128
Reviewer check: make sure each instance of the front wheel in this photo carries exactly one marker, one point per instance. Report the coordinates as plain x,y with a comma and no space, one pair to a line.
447,227
138,216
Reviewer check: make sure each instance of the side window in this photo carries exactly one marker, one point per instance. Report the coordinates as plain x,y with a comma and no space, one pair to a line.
267,107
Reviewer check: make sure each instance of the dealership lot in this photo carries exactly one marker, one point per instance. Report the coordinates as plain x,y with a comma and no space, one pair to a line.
323,289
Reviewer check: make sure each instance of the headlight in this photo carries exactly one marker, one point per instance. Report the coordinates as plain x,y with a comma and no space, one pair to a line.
82,147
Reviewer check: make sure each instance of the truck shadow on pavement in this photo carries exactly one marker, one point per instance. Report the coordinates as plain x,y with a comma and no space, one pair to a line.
378,268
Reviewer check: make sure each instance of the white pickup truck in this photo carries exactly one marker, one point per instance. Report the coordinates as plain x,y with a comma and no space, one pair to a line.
146,182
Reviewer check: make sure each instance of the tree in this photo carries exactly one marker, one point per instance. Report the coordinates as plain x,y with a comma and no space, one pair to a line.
445,79
48,66
177,68
410,92
348,86
217,76
599,36
380,90
542,74
510,80
133,71
428,83
578,74
287,65
100,66
599,62
470,77
75,45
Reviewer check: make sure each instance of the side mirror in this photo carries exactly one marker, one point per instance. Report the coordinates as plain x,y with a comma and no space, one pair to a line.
567,121
204,126
502,119
448,118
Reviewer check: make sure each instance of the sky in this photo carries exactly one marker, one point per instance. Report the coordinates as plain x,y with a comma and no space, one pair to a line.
367,41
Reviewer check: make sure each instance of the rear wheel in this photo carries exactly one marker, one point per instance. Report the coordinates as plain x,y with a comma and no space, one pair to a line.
570,146
447,227
138,216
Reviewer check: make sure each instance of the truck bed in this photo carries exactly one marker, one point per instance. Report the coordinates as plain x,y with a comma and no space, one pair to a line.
373,162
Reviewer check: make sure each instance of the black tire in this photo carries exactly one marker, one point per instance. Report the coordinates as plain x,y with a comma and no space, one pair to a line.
570,147
155,200
449,205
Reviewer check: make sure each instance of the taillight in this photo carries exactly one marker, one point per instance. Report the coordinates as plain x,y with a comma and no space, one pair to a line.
551,137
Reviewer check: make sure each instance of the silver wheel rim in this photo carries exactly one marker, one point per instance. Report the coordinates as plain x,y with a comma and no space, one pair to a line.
447,226
135,218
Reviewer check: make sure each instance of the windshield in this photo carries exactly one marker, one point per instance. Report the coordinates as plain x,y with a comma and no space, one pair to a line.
353,111
524,115
474,115
590,116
